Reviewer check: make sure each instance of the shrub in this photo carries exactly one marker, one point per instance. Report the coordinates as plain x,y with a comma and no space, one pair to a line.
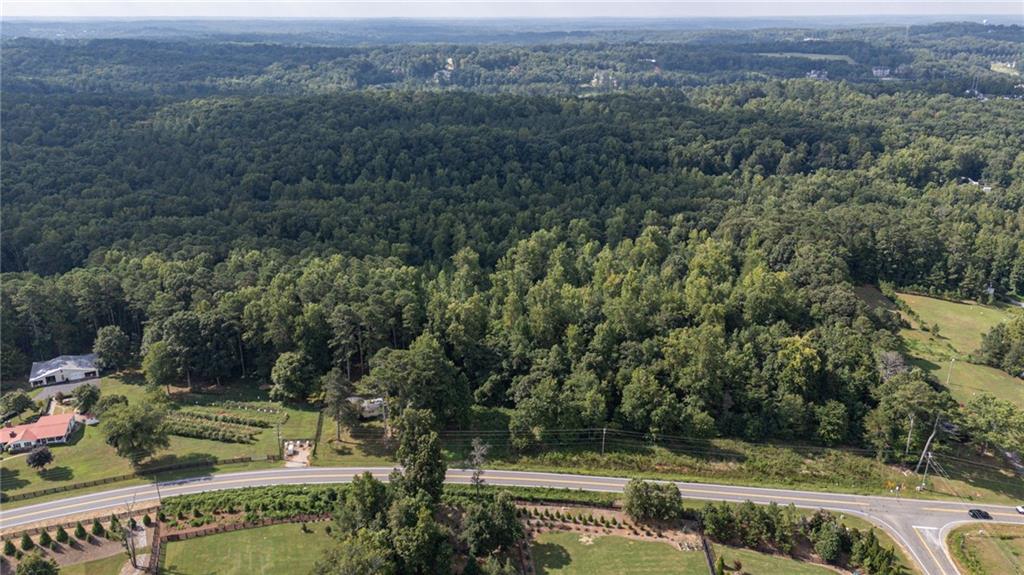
652,501
146,521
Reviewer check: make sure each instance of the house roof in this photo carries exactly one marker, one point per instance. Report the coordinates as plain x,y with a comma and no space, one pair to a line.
46,427
83,362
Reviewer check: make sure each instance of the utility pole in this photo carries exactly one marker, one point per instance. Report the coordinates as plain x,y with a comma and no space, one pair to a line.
935,427
911,431
927,444
924,480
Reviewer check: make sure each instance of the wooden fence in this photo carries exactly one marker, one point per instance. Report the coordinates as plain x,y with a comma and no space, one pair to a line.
142,473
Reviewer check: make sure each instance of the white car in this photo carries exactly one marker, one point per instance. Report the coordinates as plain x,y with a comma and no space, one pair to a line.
1020,509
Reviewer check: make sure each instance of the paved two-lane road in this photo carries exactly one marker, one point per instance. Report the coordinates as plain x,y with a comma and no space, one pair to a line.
919,525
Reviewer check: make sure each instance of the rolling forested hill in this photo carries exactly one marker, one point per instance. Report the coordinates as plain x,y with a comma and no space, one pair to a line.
661,234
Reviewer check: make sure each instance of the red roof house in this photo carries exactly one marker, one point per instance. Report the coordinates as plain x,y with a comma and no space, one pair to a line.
44,431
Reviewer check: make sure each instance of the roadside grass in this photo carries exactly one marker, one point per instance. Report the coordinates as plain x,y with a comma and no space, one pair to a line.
270,550
87,457
988,549
350,451
765,564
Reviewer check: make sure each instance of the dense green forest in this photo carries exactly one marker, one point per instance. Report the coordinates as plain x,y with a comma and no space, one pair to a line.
560,229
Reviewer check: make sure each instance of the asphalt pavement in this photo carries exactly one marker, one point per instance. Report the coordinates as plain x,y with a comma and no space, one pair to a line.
920,526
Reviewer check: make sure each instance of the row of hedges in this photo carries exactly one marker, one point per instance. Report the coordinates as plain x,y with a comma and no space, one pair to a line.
251,420
272,502
198,428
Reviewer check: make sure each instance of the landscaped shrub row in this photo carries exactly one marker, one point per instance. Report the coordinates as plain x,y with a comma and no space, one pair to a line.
278,415
204,429
217,415
256,502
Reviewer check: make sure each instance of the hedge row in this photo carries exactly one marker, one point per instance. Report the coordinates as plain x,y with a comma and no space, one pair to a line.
201,429
242,419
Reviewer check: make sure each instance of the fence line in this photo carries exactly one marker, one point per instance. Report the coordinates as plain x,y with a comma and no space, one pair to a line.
142,473
156,549
709,553
122,517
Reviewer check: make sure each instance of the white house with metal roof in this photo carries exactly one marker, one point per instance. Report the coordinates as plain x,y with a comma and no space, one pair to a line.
62,369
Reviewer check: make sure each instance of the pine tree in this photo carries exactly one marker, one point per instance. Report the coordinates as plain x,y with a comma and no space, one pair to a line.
79,531
45,539
9,549
62,535
26,542
97,528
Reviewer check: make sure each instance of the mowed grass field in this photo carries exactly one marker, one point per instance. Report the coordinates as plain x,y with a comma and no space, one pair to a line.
106,566
87,457
988,549
264,550
566,553
961,328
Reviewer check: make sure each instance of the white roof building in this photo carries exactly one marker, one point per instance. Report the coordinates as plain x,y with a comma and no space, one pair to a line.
62,369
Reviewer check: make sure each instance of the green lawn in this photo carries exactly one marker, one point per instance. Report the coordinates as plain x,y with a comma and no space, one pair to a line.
106,566
565,554
763,564
962,324
809,56
961,327
988,549
270,550
87,457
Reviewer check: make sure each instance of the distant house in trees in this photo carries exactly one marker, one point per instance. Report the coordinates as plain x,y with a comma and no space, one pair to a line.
369,408
62,369
47,430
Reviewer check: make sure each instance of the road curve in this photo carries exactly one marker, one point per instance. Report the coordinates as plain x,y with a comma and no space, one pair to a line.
919,525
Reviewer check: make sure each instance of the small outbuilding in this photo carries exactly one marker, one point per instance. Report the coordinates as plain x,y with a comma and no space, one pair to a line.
369,408
63,369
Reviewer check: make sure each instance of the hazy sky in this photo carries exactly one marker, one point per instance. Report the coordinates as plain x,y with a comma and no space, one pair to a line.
492,8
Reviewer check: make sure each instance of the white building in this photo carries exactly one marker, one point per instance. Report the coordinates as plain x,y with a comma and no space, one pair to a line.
63,369
368,408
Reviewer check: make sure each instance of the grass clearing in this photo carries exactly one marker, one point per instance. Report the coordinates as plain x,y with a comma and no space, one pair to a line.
809,56
568,553
961,328
269,550
988,549
563,553
106,566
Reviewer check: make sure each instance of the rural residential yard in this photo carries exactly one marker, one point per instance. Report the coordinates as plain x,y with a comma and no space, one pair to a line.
86,457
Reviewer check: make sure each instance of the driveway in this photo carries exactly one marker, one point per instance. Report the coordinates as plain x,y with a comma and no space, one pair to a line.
65,388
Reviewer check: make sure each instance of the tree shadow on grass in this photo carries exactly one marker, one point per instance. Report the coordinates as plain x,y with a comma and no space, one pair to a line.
550,556
61,473
10,479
